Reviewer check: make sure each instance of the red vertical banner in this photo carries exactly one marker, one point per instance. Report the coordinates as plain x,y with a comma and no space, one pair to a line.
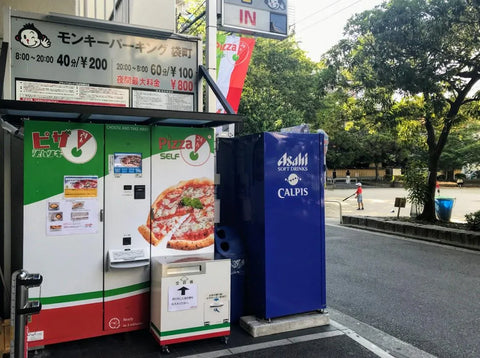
233,58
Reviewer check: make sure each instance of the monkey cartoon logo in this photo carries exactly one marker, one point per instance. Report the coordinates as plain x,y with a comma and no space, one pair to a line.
30,36
276,4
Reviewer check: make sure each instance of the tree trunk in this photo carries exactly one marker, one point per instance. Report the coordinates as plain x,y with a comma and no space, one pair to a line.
428,213
434,151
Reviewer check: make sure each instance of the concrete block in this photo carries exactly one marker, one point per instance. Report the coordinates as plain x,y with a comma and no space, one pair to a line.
432,233
257,327
410,230
421,232
388,226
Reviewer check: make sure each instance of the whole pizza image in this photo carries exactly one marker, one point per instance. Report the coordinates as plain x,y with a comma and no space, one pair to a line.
185,212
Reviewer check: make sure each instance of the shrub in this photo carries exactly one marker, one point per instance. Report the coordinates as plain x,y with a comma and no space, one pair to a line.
473,220
415,182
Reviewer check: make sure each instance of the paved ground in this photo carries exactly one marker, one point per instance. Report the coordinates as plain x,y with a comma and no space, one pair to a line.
380,201
422,293
332,341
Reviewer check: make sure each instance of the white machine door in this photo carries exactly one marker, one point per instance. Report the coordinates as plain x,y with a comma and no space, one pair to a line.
63,233
127,204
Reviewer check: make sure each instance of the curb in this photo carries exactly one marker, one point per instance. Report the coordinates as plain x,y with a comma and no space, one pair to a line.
454,237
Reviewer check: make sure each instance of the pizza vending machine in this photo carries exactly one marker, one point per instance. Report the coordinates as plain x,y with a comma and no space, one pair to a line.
63,235
190,291
84,185
127,253
99,202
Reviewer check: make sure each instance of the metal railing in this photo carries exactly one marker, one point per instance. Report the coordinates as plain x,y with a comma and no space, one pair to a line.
339,207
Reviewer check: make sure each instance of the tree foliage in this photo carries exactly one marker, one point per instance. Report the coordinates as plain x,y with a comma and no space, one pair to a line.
279,89
360,124
462,148
426,48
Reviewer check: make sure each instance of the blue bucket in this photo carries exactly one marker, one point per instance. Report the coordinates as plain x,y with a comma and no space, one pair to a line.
443,208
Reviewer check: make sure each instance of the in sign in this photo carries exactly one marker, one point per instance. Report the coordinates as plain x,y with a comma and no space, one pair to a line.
247,16
266,18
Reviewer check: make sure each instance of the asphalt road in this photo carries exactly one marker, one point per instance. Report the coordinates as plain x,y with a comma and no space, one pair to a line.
424,294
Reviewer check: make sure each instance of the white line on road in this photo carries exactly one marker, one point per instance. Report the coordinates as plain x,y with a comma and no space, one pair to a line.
387,345
269,344
341,330
362,341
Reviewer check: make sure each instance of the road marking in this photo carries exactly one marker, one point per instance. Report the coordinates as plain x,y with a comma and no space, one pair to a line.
362,341
269,344
367,335
340,331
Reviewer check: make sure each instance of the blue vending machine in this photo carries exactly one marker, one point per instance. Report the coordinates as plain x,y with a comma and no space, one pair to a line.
277,205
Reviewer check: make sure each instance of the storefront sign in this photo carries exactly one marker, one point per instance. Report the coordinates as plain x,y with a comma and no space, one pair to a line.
77,62
266,18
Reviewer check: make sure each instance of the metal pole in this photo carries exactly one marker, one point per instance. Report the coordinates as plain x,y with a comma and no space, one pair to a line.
18,321
211,50
21,308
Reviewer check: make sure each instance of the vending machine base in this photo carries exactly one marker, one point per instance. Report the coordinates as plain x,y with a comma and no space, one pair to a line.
190,299
258,327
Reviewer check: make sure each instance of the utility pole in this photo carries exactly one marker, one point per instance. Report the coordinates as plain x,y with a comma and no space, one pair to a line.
211,53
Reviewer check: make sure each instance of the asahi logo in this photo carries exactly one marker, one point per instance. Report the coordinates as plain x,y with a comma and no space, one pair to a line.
290,163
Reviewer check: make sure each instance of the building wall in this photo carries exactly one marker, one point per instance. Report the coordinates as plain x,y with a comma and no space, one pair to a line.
37,6
158,14
357,173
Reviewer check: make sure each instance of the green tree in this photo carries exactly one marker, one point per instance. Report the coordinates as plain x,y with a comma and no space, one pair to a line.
191,18
359,123
462,148
279,89
419,47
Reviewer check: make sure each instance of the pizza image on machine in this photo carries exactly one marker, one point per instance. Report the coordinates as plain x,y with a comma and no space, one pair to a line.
131,160
186,212
84,184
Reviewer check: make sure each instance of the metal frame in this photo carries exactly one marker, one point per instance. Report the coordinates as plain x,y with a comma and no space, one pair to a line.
203,71
3,65
15,111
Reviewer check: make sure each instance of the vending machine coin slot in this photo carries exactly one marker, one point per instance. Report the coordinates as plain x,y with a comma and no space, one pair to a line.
127,240
139,192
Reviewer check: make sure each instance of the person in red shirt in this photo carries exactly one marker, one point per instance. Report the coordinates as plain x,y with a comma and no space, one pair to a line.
359,196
